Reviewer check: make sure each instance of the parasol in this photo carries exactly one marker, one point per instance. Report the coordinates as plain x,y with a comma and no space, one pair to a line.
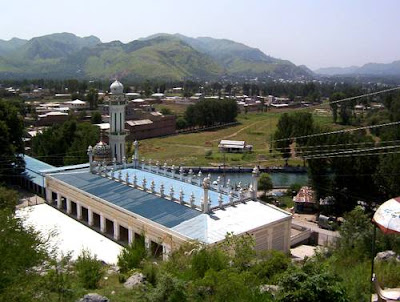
387,219
387,216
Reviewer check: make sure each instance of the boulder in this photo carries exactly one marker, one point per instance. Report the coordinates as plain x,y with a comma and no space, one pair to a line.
134,280
386,256
272,289
93,298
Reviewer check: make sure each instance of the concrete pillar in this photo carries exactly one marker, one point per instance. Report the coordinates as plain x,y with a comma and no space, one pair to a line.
59,203
69,207
49,196
116,230
90,216
102,223
147,243
166,251
78,211
130,235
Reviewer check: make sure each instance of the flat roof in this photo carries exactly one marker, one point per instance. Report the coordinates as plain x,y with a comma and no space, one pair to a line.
61,232
165,212
237,219
34,170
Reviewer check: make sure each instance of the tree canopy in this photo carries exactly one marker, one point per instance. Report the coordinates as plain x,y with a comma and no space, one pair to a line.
65,144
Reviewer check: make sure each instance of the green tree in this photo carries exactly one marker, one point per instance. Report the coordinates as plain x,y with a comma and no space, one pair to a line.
21,250
181,123
92,97
96,118
282,136
11,144
334,105
265,183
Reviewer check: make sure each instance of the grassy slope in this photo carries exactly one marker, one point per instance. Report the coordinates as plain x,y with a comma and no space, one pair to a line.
168,59
190,149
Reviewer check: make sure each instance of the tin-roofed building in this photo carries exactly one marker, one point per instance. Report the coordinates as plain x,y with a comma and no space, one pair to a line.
128,200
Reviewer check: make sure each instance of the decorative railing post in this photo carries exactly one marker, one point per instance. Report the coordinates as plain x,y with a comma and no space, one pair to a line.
206,187
162,190
150,167
173,171
251,191
219,184
231,197
144,182
114,163
181,173
190,176
181,196
124,162
165,167
220,200
241,195
134,181
127,178
171,193
135,156
152,186
157,167
90,154
142,163
199,178
120,175
256,177
192,200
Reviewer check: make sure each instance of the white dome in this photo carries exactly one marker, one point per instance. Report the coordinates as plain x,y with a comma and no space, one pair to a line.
117,88
102,150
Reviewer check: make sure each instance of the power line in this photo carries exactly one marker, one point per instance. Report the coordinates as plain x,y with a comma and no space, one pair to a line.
350,155
322,147
338,131
349,98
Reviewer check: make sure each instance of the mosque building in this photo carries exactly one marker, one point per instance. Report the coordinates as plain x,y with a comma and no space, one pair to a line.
131,199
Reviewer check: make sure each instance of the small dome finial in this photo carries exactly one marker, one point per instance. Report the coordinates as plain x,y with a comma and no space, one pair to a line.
117,87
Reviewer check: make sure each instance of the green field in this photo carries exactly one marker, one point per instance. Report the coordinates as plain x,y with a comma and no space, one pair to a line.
194,149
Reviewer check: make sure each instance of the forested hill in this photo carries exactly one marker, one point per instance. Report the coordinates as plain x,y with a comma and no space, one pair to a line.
161,56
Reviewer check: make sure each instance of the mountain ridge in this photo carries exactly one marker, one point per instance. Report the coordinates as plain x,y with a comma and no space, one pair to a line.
159,56
377,69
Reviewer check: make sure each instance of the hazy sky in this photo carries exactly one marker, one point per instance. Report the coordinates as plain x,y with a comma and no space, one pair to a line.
315,33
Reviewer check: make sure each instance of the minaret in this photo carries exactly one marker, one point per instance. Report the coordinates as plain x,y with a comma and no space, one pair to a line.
117,121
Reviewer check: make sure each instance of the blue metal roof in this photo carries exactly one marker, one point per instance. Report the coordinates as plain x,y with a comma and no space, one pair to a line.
176,184
34,168
150,206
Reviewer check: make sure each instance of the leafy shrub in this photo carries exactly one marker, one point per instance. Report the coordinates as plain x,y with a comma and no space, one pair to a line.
169,288
88,269
181,123
271,264
208,154
311,283
150,270
131,256
208,258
